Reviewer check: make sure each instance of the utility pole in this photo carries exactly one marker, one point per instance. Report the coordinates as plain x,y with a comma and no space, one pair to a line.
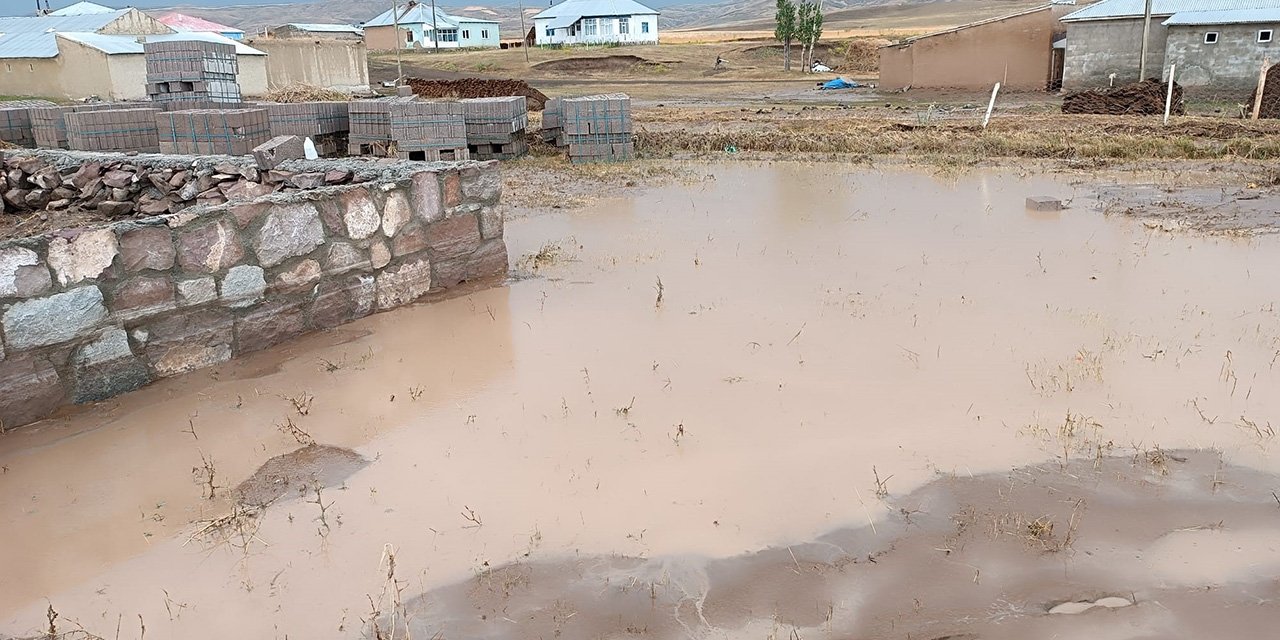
524,35
395,21
1146,33
435,29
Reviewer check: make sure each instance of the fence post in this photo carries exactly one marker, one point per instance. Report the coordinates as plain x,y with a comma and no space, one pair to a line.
991,105
1168,99
1262,85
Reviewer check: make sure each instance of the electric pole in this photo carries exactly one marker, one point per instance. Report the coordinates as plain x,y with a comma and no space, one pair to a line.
395,22
524,35
1146,33
435,28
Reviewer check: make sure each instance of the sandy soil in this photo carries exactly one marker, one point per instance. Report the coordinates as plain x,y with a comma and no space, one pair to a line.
688,383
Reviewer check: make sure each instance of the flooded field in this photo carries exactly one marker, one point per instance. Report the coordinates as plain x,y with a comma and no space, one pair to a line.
783,401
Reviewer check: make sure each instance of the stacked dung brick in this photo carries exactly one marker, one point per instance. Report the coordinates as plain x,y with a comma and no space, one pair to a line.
191,73
370,125
429,130
496,127
15,126
113,130
49,124
233,132
326,123
597,128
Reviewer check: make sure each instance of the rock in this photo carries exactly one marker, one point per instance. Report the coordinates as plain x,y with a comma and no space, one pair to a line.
85,174
197,291
339,301
147,248
179,178
209,248
491,222
379,255
245,214
227,168
30,389
46,178
270,324
114,209
403,284
453,237
152,207
412,239
20,273
40,322
91,188
161,182
188,340
278,175
245,190
452,189
341,257
483,183
17,198
426,196
307,180
107,367
301,275
117,179
30,165
243,286
120,195
336,176
488,261
289,230
189,191
395,213
271,153
84,257
142,296
64,193
361,216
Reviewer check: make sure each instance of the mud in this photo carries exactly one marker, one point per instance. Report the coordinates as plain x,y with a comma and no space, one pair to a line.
1245,209
693,378
1014,555
298,471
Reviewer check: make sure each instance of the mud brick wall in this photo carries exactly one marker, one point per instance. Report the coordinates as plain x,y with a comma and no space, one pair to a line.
233,132
86,314
113,130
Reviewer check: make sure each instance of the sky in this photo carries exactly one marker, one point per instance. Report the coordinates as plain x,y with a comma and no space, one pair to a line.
27,7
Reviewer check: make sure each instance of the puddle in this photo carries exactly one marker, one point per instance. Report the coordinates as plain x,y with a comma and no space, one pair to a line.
828,340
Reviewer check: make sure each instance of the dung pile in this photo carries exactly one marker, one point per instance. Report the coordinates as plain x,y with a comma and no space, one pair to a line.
478,88
1139,98
1270,94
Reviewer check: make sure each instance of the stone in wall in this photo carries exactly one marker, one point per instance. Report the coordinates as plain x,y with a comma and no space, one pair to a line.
61,317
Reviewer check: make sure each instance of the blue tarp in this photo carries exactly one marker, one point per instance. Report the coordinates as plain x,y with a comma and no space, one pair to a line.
840,83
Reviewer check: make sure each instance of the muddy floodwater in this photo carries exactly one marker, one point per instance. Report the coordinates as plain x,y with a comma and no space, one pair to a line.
779,401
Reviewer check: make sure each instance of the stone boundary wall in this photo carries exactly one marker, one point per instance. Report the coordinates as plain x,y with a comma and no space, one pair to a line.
89,313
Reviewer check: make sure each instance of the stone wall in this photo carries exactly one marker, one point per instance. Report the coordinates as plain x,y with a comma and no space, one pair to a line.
89,313
1227,68
1097,49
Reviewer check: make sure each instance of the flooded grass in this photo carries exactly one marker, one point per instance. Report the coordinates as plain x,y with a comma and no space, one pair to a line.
783,400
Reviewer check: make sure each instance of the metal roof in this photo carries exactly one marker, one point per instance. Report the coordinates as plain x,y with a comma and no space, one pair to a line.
415,14
81,9
591,8
324,28
1238,16
115,45
184,22
1118,9
32,37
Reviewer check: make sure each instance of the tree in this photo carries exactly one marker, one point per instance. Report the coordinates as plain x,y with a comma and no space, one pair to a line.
808,30
785,30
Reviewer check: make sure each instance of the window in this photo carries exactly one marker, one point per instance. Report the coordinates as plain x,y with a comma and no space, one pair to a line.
448,35
624,26
644,27
606,26
466,34
589,26
551,33
408,36
484,33
1211,37
1264,35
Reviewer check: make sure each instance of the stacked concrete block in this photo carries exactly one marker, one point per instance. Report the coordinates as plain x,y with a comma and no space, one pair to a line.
233,132
326,123
15,126
192,72
597,128
370,126
113,130
551,119
93,312
429,130
496,127
49,124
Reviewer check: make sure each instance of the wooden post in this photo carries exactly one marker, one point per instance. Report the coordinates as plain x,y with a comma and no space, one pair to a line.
991,105
1262,85
1146,36
1168,98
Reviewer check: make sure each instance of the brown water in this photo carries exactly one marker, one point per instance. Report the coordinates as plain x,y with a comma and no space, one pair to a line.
815,323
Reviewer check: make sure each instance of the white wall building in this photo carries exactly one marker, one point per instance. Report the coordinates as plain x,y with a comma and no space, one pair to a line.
596,22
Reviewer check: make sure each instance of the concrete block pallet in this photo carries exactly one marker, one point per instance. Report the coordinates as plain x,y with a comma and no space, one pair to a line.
233,132
15,126
49,124
429,130
113,130
496,127
551,119
370,126
597,128
309,119
191,71
491,151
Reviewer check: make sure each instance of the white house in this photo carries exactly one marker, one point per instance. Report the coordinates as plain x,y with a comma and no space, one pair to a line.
596,21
